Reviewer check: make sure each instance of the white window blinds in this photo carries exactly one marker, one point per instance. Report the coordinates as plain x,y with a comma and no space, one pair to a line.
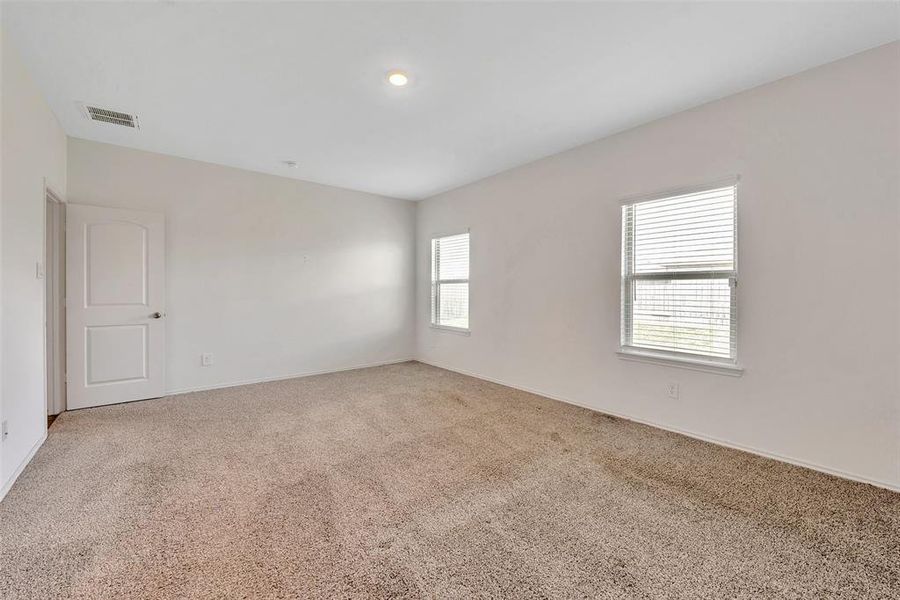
679,274
450,281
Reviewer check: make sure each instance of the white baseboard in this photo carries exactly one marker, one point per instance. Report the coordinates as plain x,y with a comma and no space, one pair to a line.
8,485
699,436
766,454
218,386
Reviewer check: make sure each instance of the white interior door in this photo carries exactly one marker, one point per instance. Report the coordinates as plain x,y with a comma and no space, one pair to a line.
115,305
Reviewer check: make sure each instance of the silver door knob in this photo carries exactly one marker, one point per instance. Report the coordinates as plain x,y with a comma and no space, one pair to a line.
156,315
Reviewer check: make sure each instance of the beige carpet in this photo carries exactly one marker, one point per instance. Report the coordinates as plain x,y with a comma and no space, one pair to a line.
411,481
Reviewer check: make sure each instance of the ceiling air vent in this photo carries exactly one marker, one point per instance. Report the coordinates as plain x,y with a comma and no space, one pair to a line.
115,117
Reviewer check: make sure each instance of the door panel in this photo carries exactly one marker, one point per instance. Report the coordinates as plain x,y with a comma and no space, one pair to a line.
116,353
115,269
116,265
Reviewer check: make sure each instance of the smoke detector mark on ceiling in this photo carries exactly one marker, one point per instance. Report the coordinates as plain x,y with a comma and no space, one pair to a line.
105,115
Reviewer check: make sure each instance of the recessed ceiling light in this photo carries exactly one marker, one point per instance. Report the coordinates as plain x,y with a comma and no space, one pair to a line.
291,163
397,78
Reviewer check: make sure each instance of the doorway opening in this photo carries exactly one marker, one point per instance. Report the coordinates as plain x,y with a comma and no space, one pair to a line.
55,304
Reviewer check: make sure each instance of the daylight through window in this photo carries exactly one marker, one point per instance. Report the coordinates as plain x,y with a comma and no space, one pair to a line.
450,282
679,273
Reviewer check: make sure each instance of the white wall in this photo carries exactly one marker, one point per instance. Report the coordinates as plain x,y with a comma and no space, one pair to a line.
819,333
276,277
33,149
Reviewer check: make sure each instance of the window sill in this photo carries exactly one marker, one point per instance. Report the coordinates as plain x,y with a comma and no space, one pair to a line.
694,364
456,330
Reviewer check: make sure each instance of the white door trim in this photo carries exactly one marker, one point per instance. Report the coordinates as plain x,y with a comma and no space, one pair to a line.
54,300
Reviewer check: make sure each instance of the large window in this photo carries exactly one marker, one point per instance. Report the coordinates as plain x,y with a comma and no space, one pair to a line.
450,282
679,273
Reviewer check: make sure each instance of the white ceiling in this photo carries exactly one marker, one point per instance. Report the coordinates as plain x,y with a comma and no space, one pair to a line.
493,85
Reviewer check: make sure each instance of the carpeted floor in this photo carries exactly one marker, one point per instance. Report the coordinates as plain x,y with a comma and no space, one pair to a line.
411,481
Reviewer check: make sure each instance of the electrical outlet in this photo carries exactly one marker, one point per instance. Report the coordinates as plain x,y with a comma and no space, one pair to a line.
39,270
206,359
672,390
4,430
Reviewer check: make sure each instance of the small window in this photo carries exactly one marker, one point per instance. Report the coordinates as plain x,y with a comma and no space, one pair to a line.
450,282
679,273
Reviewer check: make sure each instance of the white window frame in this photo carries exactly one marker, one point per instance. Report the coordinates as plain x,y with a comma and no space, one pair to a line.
434,299
711,364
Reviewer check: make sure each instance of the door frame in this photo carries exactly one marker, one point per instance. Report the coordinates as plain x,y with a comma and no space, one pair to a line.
54,300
